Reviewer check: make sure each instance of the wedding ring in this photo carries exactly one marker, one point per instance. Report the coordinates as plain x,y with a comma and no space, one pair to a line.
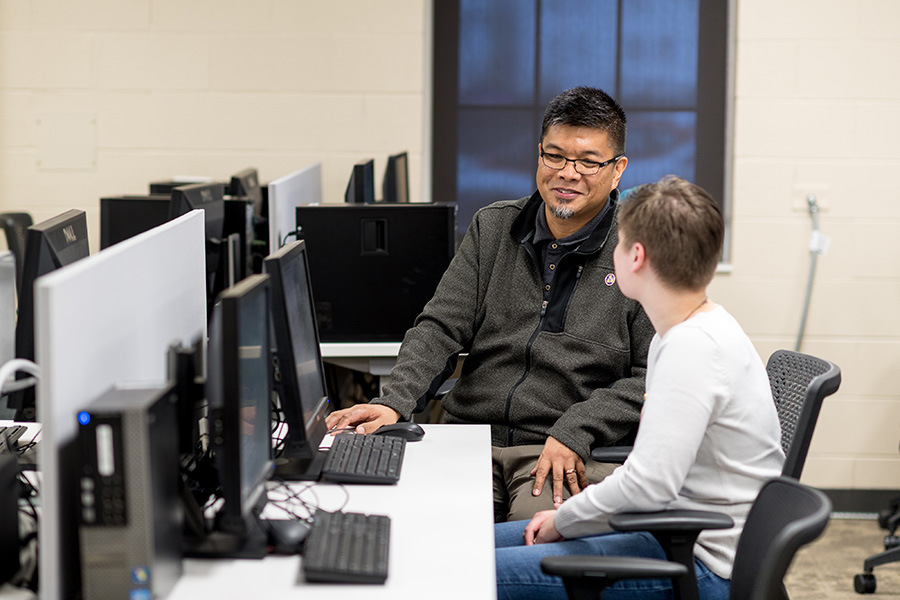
570,471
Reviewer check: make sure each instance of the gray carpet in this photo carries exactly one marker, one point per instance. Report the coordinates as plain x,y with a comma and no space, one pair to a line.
824,570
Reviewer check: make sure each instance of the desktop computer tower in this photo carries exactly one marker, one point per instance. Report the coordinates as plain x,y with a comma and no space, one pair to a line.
9,517
131,514
123,217
373,267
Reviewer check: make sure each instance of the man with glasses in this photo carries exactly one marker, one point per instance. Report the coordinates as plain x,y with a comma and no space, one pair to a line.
556,354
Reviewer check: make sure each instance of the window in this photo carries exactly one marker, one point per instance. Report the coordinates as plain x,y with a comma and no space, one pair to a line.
498,63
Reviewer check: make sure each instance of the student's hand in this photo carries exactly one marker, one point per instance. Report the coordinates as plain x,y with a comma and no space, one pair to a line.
365,418
566,468
542,529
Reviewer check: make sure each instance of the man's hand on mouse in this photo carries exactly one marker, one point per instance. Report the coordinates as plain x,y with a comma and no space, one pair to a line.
566,467
364,418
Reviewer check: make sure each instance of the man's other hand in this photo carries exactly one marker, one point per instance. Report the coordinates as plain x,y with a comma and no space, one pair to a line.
565,467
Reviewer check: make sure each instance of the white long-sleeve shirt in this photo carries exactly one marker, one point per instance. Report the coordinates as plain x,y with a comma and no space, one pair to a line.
709,437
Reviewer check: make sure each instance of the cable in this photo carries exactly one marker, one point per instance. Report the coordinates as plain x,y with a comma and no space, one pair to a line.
10,368
818,244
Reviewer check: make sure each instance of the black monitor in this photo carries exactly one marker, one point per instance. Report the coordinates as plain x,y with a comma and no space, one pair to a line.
210,197
361,187
245,184
122,217
49,245
395,185
165,187
245,214
238,393
299,375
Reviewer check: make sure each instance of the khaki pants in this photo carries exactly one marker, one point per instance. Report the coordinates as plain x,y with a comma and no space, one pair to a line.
513,482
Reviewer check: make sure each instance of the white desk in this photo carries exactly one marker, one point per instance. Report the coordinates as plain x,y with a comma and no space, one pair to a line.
377,358
442,535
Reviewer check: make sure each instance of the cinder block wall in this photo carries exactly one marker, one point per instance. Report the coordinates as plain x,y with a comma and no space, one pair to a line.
102,96
818,111
99,97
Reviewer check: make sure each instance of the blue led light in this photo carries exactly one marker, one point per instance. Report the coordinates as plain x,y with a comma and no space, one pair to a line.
84,417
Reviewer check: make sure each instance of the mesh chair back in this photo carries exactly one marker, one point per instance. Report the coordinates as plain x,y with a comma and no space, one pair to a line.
15,226
785,516
800,383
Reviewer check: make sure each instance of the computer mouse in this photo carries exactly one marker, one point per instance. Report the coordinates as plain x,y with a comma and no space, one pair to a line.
411,432
286,536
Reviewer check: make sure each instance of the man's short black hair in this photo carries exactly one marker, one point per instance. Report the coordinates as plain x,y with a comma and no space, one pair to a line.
587,107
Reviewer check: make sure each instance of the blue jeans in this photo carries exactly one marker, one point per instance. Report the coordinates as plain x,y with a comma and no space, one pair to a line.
519,572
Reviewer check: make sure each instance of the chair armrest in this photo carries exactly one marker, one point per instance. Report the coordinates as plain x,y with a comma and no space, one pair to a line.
670,521
611,454
611,568
676,531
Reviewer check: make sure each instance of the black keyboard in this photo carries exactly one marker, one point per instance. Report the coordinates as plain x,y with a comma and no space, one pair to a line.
357,458
347,547
8,436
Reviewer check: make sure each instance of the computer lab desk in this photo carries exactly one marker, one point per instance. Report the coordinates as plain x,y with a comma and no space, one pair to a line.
442,534
376,358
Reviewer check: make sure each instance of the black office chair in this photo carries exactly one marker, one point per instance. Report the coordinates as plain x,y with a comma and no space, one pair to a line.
888,519
14,225
800,382
785,516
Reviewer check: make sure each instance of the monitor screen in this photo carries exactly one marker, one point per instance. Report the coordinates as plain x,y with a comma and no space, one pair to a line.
49,245
361,186
395,185
300,377
238,393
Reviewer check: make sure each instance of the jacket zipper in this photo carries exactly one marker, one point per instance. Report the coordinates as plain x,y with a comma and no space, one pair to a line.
509,428
572,294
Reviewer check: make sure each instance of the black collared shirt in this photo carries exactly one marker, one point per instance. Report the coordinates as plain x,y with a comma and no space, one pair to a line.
552,250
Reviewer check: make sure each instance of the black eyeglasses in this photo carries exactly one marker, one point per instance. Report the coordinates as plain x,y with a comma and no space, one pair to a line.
583,166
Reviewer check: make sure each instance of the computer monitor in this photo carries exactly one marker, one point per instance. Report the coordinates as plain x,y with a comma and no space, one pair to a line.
299,375
123,217
302,187
210,197
361,186
165,187
245,184
49,245
238,393
395,185
246,215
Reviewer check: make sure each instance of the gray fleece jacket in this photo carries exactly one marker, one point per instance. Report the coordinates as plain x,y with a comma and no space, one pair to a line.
572,368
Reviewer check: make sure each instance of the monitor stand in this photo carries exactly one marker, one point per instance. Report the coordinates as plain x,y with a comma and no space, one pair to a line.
300,468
